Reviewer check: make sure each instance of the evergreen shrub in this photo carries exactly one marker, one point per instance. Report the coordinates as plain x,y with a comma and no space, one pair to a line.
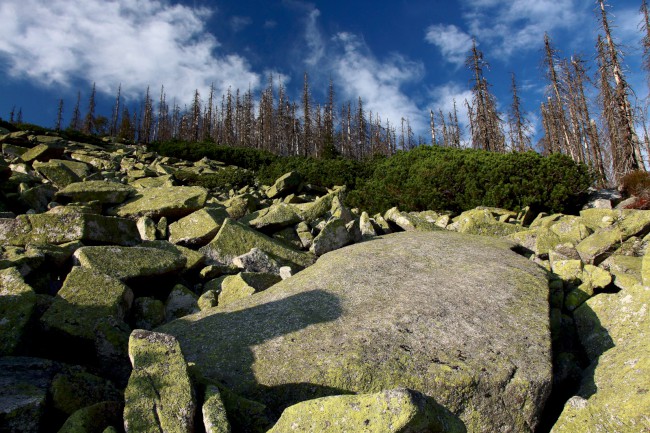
244,157
456,180
229,177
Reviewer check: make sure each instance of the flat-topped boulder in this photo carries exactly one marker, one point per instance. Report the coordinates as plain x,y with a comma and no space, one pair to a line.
126,263
104,192
170,202
460,318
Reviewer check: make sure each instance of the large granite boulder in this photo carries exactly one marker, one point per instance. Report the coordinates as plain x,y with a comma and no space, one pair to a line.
456,317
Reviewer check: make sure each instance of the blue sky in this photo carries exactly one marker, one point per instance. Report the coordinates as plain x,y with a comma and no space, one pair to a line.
402,57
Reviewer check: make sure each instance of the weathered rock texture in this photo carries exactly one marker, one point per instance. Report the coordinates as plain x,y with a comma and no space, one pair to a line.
391,313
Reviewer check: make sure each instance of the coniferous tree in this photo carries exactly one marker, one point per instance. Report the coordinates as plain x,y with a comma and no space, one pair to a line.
626,149
307,139
116,111
59,116
147,119
75,121
487,131
89,120
519,127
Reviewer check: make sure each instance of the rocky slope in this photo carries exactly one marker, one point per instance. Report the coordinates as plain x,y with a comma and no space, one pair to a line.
131,302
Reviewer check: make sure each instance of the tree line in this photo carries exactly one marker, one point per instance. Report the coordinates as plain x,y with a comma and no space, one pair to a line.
600,132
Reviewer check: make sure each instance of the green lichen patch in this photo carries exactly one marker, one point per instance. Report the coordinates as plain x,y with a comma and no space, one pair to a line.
194,259
159,395
399,410
74,388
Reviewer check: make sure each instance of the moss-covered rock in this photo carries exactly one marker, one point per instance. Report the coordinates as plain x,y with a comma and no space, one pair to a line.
625,270
399,410
332,237
198,228
450,315
74,388
171,202
44,152
94,419
104,192
180,302
56,172
159,395
287,183
17,302
600,218
15,231
193,259
600,245
401,219
148,313
25,260
244,284
272,218
87,297
614,330
215,418
50,228
126,263
482,222
235,239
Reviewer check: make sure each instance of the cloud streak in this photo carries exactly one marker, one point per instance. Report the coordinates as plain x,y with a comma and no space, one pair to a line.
453,43
133,42
378,82
515,26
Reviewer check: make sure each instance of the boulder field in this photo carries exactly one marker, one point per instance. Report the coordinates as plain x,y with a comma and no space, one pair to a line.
130,301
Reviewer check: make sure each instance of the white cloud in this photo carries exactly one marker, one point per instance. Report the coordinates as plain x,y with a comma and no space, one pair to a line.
133,42
515,26
237,23
314,39
454,44
378,82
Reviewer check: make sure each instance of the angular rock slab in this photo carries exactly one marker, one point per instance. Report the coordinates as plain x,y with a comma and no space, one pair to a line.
17,302
614,394
104,192
87,297
459,318
235,239
125,263
159,395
